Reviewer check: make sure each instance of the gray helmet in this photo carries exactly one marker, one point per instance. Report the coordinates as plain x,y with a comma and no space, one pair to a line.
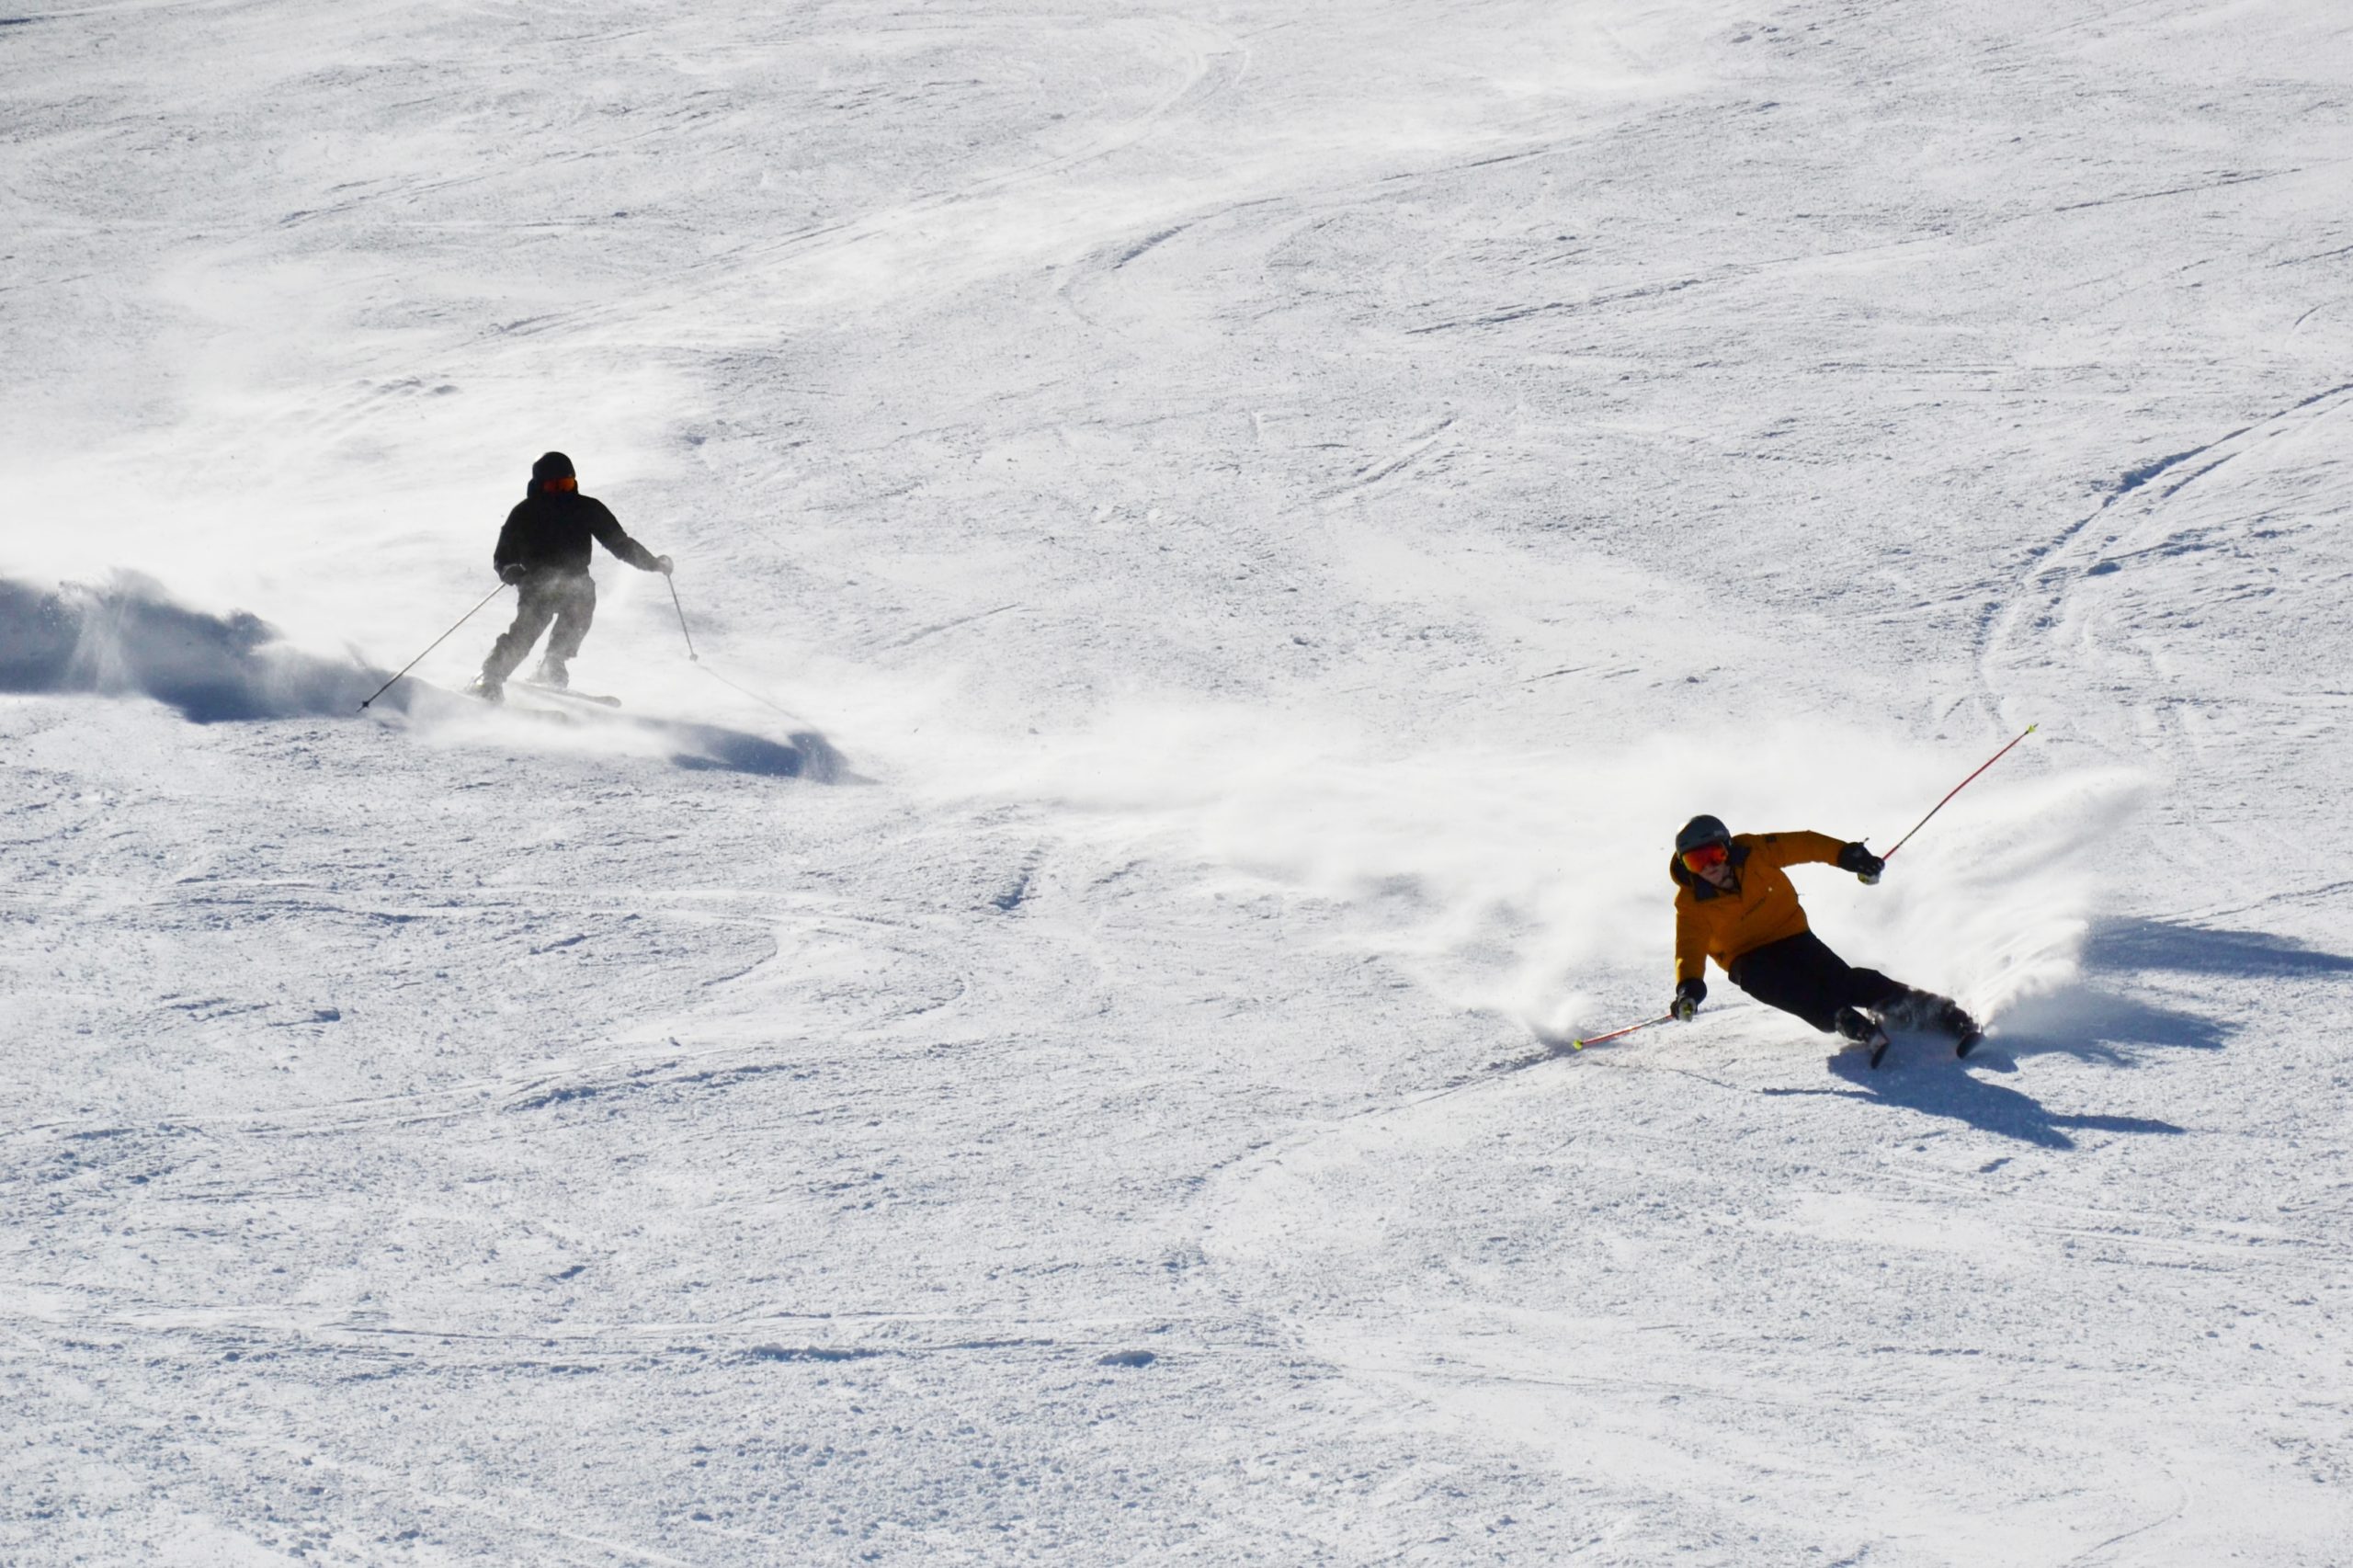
1701,830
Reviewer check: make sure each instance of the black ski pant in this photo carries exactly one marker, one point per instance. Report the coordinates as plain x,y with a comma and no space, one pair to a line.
1800,974
567,598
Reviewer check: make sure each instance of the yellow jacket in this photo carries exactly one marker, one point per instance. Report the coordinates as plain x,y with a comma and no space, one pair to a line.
1760,907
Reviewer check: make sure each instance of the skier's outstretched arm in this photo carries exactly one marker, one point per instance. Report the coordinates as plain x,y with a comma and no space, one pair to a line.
1802,848
1799,848
608,532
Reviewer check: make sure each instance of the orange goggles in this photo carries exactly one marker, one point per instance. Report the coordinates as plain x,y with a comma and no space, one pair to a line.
567,484
1706,856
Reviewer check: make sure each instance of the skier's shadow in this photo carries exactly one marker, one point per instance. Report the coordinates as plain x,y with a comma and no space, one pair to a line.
803,755
1935,1085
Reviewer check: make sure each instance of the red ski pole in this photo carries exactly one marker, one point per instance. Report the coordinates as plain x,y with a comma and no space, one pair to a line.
1620,1034
1959,788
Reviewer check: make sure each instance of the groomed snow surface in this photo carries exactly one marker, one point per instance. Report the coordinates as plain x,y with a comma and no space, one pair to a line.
1223,540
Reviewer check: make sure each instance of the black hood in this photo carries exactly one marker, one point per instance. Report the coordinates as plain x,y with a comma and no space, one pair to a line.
552,465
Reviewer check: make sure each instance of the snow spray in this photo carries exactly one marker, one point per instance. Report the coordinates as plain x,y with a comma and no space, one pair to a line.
1534,883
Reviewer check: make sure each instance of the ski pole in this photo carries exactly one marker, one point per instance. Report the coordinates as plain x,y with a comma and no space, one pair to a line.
1959,788
763,702
1620,1034
682,618
435,643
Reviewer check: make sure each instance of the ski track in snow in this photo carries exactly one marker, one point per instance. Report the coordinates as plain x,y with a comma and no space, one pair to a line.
1223,546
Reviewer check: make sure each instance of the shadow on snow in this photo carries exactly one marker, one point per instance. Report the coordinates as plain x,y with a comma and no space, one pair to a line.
1946,1087
2086,1020
2092,1020
2132,946
129,638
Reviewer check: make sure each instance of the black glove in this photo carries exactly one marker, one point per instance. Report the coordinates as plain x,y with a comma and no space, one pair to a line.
1862,862
661,564
513,572
1687,997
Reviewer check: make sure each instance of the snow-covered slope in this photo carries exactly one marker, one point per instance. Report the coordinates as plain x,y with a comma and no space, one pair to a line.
1223,542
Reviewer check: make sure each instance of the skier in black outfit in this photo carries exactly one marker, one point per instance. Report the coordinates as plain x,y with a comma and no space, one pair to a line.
543,551
1734,902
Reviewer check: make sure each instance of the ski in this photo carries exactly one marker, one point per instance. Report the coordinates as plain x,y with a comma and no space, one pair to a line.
522,709
598,698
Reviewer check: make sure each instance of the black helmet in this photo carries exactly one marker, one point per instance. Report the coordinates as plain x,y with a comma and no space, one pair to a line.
552,465
1703,829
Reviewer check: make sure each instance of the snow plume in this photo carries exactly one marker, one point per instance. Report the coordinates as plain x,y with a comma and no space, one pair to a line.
129,638
1995,906
1534,883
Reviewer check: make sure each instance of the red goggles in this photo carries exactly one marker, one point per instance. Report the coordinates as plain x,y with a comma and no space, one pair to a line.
566,483
1706,856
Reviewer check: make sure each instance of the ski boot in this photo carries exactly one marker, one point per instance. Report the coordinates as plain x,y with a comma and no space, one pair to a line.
554,675
1950,1018
489,689
1860,1029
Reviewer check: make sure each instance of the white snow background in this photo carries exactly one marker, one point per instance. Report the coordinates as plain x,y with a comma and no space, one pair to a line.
1223,542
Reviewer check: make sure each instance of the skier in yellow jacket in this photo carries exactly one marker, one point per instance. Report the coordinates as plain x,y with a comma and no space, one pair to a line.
1734,904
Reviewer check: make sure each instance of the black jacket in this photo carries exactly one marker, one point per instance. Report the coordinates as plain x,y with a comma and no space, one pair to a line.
549,531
